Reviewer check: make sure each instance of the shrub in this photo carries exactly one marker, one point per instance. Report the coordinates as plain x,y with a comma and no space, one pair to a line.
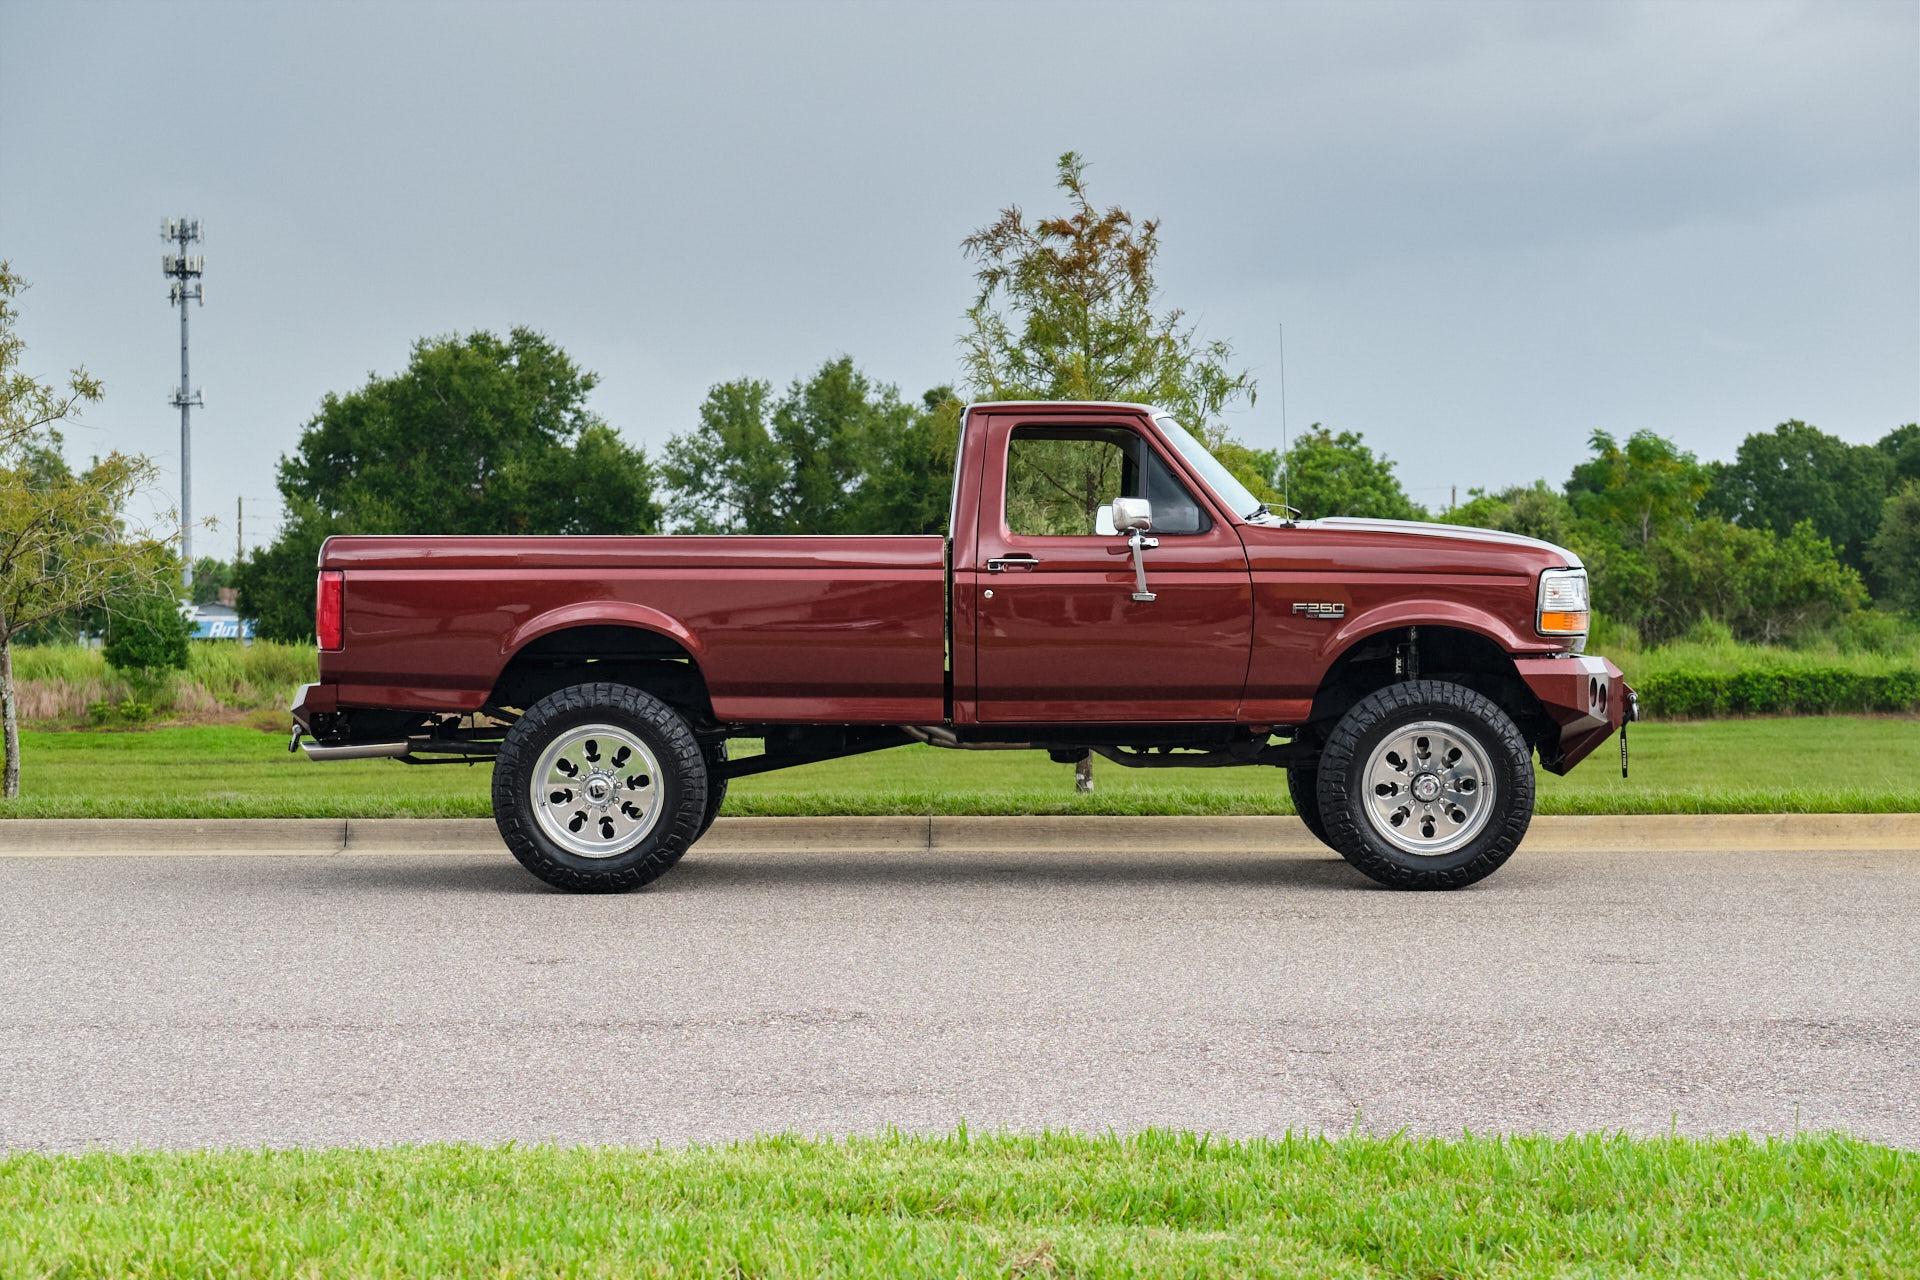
1762,586
148,634
1776,690
126,711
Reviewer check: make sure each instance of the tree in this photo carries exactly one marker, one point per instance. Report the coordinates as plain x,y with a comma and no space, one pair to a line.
479,434
1895,551
64,544
1798,472
1534,511
1902,446
814,460
726,475
1336,474
1068,310
210,578
907,485
1636,490
276,584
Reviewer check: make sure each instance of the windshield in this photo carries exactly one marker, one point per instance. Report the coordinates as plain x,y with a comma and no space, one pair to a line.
1218,478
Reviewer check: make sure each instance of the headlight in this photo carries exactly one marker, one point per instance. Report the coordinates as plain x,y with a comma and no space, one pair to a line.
1564,608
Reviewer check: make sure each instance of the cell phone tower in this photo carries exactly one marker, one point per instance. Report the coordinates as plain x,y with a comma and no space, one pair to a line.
183,270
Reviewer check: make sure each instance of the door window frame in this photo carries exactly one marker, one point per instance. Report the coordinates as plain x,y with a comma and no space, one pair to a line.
1199,495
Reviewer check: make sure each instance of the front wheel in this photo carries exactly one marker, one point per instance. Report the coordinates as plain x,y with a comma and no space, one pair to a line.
716,784
599,788
1303,784
1426,785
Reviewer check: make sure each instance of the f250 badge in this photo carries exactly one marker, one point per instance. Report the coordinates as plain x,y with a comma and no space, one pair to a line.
1320,609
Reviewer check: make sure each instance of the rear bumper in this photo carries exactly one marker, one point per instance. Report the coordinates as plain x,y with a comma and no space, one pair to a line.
312,702
1586,698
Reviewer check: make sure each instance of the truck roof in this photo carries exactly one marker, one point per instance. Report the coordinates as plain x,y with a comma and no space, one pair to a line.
1064,406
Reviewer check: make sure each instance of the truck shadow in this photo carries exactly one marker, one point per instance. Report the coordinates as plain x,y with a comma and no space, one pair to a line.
723,874
727,874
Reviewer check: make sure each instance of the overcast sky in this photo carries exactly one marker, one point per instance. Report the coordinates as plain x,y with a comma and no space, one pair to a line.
1488,229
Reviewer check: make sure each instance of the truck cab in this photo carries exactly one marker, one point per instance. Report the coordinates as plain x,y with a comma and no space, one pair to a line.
1105,586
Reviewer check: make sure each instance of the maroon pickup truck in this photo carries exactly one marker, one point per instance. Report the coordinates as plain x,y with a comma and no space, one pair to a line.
1106,587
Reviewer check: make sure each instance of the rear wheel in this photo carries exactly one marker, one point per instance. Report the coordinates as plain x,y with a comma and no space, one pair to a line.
1426,785
599,788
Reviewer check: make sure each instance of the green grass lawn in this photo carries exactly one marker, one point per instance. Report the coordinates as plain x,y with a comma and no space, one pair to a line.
1154,1205
1832,764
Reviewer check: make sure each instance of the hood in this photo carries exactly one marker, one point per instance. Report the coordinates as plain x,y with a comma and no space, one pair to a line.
1460,532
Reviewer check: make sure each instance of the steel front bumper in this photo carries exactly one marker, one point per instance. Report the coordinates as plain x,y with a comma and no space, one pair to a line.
1587,699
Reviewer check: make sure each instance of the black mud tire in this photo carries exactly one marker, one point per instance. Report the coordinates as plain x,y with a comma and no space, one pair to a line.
1303,784
716,755
1342,786
683,781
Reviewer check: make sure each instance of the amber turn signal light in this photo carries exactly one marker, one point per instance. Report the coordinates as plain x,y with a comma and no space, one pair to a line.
1563,624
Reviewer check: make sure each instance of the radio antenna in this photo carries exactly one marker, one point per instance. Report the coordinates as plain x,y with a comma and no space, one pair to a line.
1286,467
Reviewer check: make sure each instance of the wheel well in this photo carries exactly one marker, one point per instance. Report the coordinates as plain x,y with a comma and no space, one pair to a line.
1432,653
622,655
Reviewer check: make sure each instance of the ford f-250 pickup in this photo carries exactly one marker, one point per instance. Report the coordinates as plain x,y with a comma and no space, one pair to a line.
1106,586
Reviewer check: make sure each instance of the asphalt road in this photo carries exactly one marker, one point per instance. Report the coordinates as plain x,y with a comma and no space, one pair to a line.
193,1001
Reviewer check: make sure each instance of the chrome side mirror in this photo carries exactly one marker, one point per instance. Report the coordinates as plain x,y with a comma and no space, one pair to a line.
1130,514
1133,517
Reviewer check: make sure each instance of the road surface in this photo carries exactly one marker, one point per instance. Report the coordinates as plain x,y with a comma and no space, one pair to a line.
236,1000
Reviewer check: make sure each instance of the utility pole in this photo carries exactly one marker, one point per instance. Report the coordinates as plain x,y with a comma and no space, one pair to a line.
184,270
239,530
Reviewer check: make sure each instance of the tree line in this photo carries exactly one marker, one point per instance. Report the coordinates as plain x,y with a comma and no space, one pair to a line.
1797,534
1794,537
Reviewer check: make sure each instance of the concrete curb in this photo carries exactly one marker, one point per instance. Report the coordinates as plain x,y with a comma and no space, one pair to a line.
310,837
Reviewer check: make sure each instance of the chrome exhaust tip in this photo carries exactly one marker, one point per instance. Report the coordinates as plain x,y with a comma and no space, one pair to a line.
357,750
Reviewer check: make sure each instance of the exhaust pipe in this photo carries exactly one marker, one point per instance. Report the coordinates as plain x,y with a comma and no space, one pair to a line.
939,736
357,750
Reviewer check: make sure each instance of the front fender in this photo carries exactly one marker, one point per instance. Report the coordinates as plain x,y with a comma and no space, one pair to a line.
1426,611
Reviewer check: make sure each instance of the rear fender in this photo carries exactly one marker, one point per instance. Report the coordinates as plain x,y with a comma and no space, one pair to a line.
602,613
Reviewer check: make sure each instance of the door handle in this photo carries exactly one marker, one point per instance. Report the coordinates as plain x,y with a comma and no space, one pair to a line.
1019,560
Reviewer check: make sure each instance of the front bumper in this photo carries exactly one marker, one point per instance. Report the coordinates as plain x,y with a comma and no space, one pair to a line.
1587,699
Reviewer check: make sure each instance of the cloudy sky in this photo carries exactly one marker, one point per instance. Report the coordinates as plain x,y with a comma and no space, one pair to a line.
1487,228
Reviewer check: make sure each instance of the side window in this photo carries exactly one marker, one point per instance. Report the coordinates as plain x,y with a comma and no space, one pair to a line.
1058,479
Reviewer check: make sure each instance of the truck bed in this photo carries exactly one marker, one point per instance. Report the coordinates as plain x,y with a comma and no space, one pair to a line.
803,629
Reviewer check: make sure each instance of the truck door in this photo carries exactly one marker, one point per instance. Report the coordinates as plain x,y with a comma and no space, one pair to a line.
1059,635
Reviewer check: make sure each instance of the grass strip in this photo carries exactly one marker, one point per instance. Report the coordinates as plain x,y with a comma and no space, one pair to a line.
1155,1204
1835,764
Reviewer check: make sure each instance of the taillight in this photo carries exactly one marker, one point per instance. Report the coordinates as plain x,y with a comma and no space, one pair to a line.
329,608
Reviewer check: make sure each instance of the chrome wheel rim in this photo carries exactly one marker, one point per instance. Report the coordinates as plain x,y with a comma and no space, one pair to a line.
596,790
1430,789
